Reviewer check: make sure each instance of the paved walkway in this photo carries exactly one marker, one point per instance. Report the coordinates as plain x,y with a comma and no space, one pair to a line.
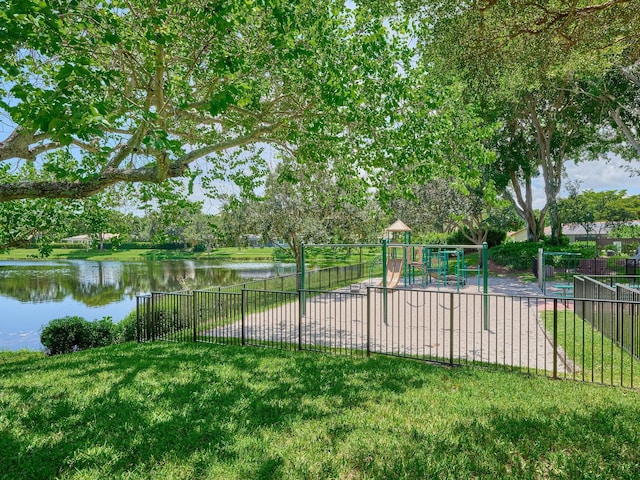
439,324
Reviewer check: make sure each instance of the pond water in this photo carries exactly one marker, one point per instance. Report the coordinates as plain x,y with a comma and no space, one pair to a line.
34,293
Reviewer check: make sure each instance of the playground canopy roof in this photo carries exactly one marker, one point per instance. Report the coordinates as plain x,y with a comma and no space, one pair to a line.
398,226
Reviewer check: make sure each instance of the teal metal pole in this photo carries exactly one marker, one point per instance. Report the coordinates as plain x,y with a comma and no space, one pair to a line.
406,258
384,264
485,283
405,271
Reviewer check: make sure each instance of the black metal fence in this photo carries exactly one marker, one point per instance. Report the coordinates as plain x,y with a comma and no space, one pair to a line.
319,278
582,339
617,319
608,266
628,244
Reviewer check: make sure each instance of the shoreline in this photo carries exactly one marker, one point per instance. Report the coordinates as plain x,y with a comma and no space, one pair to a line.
221,254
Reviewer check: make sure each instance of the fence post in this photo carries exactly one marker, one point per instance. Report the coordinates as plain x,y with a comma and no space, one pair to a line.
154,317
368,321
138,319
243,295
451,328
195,334
633,334
555,338
301,285
384,281
620,328
301,299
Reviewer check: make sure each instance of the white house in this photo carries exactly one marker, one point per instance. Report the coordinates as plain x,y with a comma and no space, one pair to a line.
86,239
572,231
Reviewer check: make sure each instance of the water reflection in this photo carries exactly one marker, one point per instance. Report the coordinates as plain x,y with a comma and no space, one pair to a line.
33,293
101,283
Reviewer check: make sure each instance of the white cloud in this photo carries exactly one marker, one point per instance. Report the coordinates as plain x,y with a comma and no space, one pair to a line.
602,175
597,175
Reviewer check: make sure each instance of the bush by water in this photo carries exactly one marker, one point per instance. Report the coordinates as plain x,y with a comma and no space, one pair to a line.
74,333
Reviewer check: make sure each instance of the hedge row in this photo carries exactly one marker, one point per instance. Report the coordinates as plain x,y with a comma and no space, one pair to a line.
520,255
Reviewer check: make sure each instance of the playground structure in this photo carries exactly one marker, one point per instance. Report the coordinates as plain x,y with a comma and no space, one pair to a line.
426,266
393,272
419,265
556,271
406,265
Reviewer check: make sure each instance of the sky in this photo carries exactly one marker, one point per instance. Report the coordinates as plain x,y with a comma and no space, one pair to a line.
596,175
602,175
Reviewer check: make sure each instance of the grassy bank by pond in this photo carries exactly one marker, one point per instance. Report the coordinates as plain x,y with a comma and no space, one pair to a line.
315,257
232,254
204,411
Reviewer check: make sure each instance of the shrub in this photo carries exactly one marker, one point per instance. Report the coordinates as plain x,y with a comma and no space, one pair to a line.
70,334
128,328
199,248
629,249
67,334
517,256
280,255
520,255
433,238
104,332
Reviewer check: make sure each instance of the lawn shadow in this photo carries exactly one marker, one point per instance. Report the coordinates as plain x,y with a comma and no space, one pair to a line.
143,403
135,408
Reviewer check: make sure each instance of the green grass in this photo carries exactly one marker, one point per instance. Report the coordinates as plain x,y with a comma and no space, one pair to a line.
233,254
598,359
226,253
527,277
205,411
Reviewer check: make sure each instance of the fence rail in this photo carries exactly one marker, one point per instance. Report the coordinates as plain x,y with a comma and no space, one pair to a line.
617,319
608,266
582,339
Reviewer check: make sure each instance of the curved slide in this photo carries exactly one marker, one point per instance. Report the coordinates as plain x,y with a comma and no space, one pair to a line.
394,272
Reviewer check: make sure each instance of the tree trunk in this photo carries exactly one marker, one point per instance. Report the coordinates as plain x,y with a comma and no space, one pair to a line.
475,230
552,174
551,164
524,208
556,224
297,255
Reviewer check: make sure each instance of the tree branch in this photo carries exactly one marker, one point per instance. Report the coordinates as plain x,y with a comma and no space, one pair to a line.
111,175
626,131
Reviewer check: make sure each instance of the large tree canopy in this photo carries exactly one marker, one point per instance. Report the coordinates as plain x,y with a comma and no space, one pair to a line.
505,46
139,91
529,65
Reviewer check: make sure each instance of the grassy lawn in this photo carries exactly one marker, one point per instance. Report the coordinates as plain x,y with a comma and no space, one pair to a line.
225,253
204,411
598,359
233,254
